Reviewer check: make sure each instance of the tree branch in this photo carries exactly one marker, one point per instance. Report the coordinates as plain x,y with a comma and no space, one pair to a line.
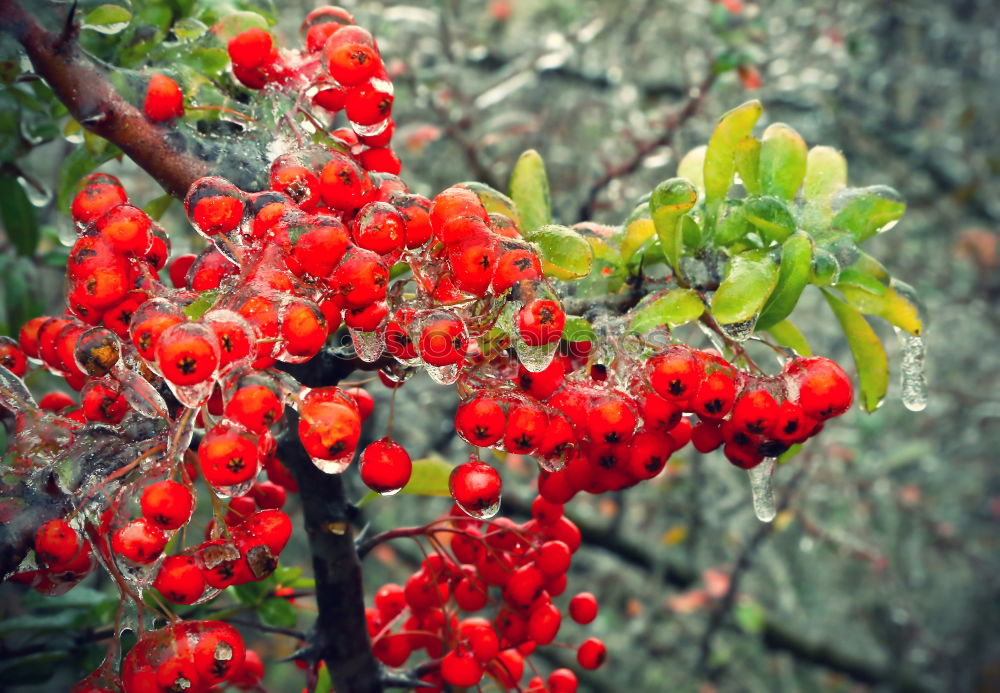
340,634
94,102
644,149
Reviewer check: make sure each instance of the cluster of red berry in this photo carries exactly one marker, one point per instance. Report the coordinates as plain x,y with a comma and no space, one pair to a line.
515,571
341,69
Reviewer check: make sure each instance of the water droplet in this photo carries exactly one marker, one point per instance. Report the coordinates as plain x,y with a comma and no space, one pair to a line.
481,513
912,372
367,345
13,393
336,466
535,358
443,375
234,490
740,331
762,490
38,194
192,396
181,435
141,396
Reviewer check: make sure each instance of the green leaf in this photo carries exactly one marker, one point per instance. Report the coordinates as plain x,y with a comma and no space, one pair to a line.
899,309
732,224
529,189
868,211
18,216
783,155
676,307
429,478
826,173
793,275
323,682
869,354
33,669
207,61
251,593
692,166
107,19
636,233
771,217
720,157
189,28
750,278
40,623
577,329
748,164
790,452
750,617
278,612
495,201
234,23
825,270
158,206
201,305
565,253
669,202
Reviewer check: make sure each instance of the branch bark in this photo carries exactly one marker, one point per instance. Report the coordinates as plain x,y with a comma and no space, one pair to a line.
93,101
340,634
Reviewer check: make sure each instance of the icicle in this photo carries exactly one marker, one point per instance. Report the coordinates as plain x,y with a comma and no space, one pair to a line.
912,375
763,493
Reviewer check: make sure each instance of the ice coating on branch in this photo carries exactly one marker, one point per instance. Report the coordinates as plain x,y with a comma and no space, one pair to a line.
141,395
913,374
762,491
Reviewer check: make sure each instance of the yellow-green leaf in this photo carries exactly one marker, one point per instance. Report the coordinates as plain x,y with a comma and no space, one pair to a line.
577,329
495,201
201,305
771,217
565,253
529,189
636,233
692,166
670,200
892,306
869,355
826,173
793,275
750,278
107,19
788,335
720,157
748,164
869,211
783,155
676,307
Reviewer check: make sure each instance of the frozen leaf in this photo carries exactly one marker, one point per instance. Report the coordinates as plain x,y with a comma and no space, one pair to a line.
750,278
676,307
869,354
771,217
670,201
107,19
867,211
793,275
529,188
277,612
897,308
720,157
748,164
495,201
783,155
636,233
565,253
429,478
692,167
788,335
577,329
18,216
826,173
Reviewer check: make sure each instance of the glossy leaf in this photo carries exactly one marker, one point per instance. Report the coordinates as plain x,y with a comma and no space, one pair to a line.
107,19
234,23
529,189
748,164
868,211
636,233
676,307
20,222
750,278
495,201
793,275
565,253
771,217
788,335
869,355
277,612
158,206
670,200
732,224
783,155
826,173
692,166
720,157
578,329
201,305
892,306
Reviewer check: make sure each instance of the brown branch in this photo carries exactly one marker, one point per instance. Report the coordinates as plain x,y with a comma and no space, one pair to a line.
644,149
340,634
81,85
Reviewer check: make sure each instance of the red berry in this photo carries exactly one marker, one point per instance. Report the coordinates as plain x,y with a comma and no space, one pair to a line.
544,623
251,48
350,55
480,421
591,653
187,353
824,390
443,342
476,487
180,580
385,466
164,99
583,607
227,456
675,373
168,504
56,543
140,541
541,322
